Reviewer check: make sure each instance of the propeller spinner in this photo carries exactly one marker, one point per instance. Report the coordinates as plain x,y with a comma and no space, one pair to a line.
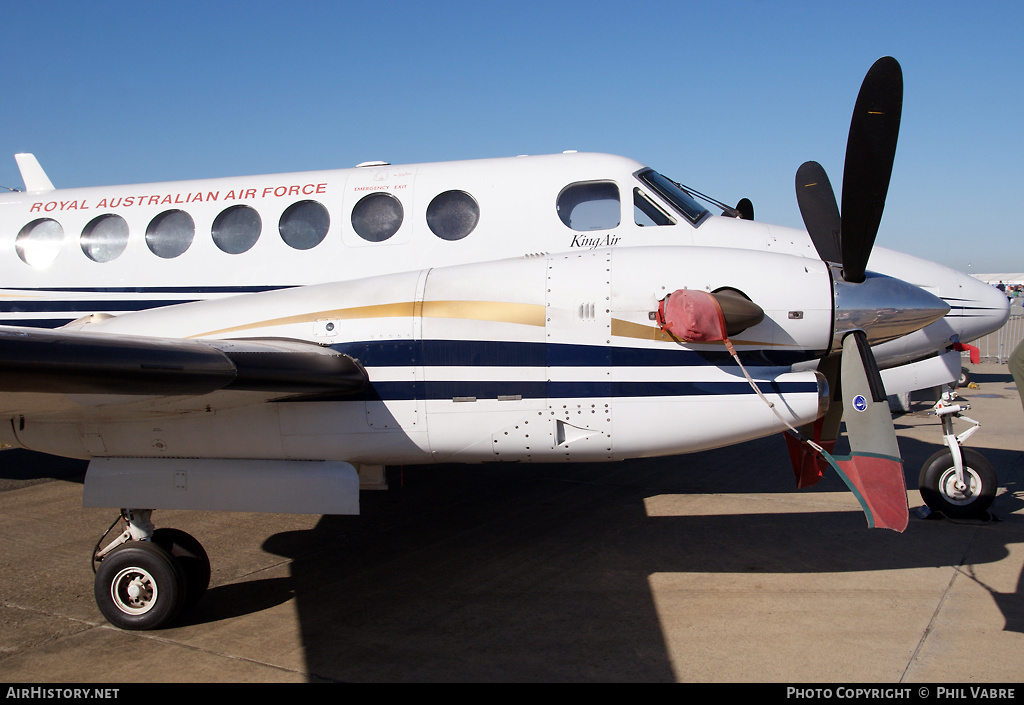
874,468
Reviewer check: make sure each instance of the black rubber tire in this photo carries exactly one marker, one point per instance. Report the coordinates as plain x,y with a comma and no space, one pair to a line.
965,377
936,484
146,569
193,563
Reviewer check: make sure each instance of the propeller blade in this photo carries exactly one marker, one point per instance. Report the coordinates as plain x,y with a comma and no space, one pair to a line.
874,469
745,208
870,151
818,208
865,406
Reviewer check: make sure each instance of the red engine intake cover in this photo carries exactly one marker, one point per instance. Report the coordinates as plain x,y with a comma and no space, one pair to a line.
693,316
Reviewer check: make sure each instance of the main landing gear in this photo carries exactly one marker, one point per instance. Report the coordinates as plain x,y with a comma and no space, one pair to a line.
145,577
958,482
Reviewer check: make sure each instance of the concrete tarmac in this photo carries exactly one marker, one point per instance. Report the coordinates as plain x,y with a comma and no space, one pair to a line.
709,567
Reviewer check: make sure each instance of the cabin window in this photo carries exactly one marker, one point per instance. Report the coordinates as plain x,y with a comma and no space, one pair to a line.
170,233
304,225
39,242
590,205
377,217
453,215
646,212
104,238
237,229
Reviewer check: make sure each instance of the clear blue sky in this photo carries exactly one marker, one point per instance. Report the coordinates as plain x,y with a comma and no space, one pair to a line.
728,97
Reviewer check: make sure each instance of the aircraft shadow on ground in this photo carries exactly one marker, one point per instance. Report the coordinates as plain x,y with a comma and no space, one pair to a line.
542,572
26,466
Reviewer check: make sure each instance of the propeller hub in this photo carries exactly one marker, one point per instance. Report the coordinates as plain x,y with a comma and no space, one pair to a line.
883,307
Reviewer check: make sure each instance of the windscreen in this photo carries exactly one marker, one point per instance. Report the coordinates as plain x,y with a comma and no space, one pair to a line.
674,194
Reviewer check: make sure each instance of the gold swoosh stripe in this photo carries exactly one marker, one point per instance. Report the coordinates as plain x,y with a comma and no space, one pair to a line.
628,329
497,311
494,311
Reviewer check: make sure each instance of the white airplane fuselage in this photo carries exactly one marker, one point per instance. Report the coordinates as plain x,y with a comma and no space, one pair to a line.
270,343
502,309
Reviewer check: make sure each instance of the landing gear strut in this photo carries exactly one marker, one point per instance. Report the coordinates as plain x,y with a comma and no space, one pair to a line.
145,577
958,482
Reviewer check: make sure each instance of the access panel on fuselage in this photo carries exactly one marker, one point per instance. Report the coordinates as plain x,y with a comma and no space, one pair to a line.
578,353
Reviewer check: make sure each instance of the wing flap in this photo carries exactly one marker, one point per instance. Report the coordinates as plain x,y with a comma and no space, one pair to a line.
290,367
74,362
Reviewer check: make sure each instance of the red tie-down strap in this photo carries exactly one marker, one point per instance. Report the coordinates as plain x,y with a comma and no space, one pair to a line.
809,465
975,352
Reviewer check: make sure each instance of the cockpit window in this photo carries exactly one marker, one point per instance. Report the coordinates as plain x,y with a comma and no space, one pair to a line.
647,212
590,205
674,194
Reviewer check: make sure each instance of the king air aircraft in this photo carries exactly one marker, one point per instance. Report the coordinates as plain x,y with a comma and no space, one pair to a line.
271,343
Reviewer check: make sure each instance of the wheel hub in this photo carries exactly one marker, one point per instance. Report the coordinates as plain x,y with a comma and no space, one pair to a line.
958,492
133,591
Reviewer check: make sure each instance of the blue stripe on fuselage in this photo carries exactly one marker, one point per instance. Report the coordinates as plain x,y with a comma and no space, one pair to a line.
490,353
489,389
75,308
517,355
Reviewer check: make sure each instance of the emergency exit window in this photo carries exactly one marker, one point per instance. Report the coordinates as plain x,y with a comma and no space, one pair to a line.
377,217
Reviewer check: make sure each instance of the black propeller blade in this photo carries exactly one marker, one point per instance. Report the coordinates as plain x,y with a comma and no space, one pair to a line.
870,151
818,207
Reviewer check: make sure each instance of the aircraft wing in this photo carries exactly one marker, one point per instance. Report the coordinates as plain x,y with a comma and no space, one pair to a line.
44,369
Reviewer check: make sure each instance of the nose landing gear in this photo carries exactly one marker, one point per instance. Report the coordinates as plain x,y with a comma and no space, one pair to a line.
145,577
958,482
